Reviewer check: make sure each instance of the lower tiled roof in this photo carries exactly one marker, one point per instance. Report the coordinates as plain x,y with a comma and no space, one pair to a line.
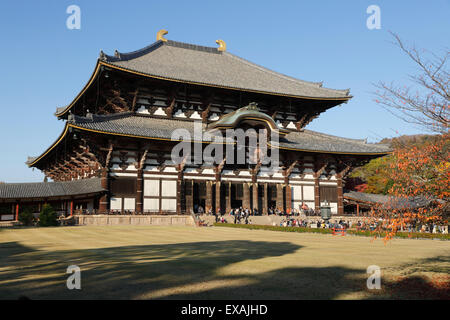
147,127
50,189
388,201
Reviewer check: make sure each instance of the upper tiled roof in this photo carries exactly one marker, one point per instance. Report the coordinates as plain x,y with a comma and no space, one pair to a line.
50,189
206,65
146,127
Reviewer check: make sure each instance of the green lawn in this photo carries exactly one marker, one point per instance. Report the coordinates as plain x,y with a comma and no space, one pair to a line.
149,262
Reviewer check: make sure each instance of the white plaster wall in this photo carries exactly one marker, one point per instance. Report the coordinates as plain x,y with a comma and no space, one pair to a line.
308,193
116,204
129,204
169,204
296,193
151,187
151,204
169,188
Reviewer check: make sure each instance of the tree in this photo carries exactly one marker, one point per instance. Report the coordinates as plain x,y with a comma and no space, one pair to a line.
48,217
373,176
419,174
427,105
26,216
422,170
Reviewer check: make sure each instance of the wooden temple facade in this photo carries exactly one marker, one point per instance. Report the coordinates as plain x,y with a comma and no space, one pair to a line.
119,131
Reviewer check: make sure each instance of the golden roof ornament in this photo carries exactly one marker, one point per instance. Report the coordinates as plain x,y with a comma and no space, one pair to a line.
253,106
222,45
160,35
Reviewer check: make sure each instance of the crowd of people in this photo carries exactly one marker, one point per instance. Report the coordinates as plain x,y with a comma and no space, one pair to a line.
326,224
361,225
298,218
242,215
303,209
409,227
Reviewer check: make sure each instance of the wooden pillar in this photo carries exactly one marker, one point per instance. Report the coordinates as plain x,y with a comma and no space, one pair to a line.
104,199
218,209
279,201
139,191
190,197
181,195
246,201
316,193
208,201
288,198
340,196
255,197
357,209
71,207
228,198
265,200
17,211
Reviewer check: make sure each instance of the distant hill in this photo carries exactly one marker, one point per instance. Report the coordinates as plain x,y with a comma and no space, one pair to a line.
415,139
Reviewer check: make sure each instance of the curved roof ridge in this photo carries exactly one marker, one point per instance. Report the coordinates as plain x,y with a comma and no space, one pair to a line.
125,56
190,46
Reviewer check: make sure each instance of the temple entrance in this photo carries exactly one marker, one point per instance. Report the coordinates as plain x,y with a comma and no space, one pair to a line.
271,196
237,195
223,194
261,201
199,196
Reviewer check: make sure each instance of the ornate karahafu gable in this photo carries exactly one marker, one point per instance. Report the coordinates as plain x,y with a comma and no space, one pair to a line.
250,115
119,132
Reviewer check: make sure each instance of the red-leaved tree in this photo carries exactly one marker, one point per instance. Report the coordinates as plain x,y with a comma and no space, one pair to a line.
420,191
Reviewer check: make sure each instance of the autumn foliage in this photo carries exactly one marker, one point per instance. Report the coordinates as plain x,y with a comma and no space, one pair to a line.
419,183
422,170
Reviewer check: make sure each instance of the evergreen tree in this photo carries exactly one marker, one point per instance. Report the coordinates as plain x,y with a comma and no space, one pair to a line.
48,217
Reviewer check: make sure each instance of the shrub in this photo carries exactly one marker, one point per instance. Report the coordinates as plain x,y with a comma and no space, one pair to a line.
367,233
48,217
26,216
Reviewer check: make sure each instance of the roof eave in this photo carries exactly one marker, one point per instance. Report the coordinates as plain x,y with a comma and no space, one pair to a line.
85,88
101,63
49,149
110,65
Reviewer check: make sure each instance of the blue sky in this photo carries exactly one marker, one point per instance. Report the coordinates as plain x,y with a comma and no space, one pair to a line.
44,64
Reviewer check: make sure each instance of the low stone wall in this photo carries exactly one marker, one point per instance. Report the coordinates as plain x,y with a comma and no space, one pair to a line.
157,220
9,224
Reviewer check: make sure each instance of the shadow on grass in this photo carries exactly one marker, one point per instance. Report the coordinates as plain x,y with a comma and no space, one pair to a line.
174,271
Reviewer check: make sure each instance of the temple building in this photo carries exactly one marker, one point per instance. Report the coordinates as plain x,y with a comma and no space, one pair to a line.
114,154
